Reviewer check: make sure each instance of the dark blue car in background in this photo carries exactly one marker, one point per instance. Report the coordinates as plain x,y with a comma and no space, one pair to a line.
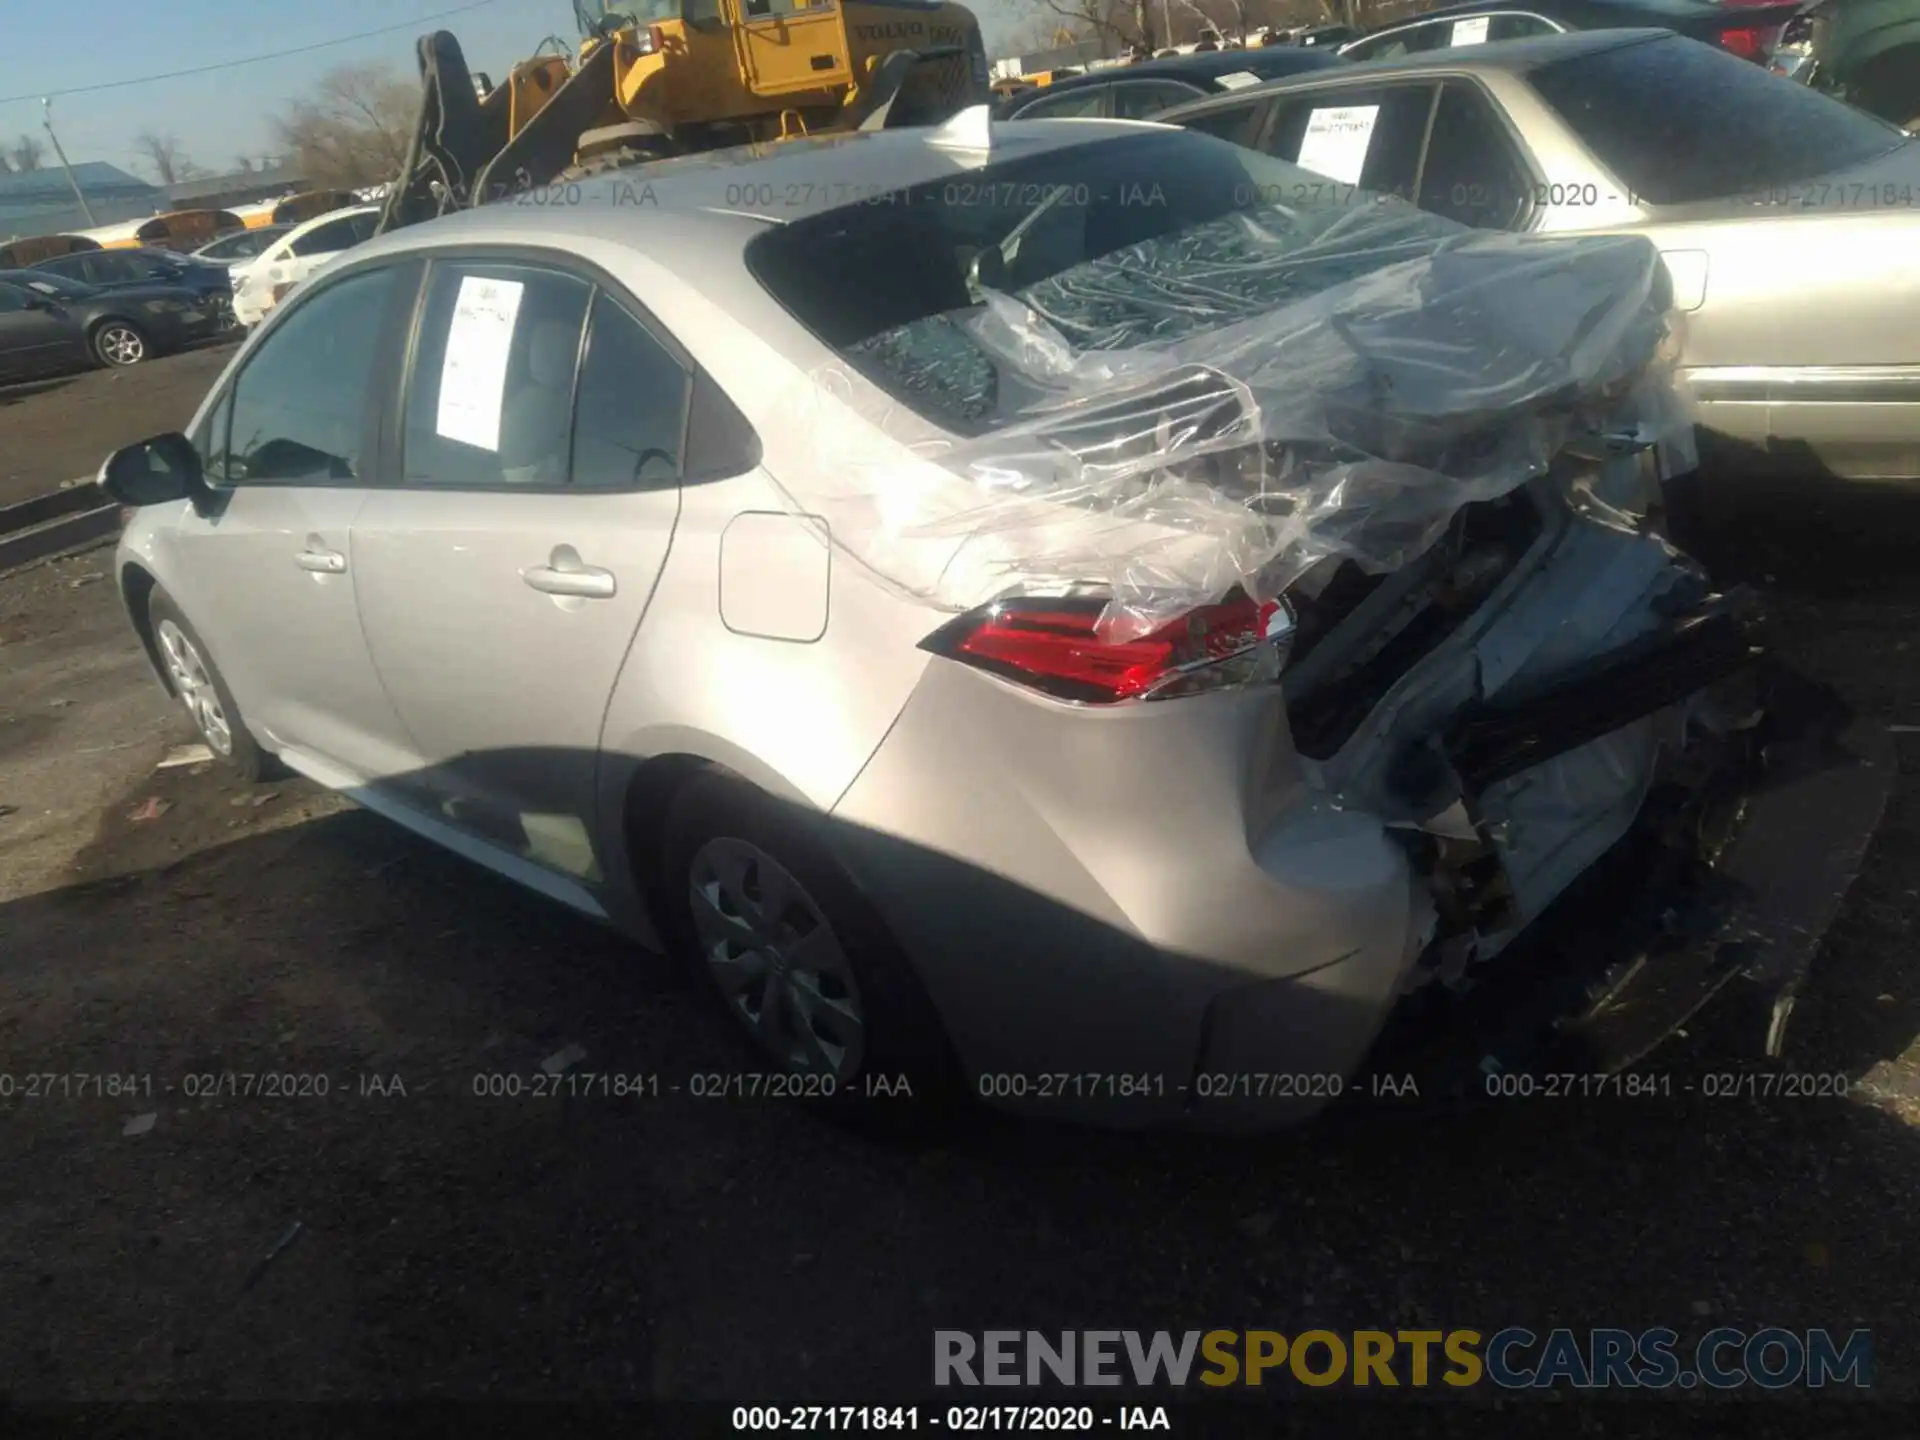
120,269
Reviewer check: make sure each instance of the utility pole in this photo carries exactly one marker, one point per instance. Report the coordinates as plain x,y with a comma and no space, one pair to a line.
46,111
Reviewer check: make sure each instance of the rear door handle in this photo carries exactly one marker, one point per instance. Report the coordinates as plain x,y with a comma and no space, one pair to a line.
586,583
322,562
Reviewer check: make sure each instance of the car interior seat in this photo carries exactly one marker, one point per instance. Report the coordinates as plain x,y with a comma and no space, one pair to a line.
536,415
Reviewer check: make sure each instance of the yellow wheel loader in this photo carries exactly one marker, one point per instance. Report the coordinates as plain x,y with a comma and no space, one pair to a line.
655,78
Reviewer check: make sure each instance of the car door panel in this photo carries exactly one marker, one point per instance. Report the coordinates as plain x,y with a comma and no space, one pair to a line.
502,586
34,340
266,570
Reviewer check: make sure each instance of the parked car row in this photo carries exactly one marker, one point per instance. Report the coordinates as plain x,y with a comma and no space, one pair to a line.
264,281
1869,51
1023,632
50,324
1788,222
122,307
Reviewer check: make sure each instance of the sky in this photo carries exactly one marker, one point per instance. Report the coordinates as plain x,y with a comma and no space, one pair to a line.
220,116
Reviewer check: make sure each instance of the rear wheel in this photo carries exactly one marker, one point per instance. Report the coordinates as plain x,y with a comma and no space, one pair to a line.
800,960
197,683
120,343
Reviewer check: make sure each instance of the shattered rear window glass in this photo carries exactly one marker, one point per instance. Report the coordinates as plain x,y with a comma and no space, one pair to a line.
1137,241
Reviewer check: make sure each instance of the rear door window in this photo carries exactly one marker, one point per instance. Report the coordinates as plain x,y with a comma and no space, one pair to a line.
631,417
1236,124
1678,122
1434,35
1520,27
1137,99
1370,136
1081,100
1473,174
143,267
325,239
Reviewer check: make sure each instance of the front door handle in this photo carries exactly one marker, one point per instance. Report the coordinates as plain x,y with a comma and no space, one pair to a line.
322,562
585,583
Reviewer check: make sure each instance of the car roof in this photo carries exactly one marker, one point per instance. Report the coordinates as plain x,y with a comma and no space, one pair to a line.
1594,14
1510,56
1203,65
695,199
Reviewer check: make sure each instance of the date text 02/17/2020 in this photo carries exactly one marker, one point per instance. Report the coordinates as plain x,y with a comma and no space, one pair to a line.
1058,1419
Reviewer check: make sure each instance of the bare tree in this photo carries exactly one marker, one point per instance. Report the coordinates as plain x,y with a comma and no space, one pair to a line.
26,153
243,163
353,130
164,154
1120,24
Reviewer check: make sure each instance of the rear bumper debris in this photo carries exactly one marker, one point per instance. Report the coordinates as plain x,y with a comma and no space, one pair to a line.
1733,873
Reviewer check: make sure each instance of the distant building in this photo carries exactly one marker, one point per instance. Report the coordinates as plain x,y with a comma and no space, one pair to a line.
40,202
243,187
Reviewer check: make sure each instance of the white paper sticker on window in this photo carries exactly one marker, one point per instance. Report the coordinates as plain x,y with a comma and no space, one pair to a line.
473,377
1336,141
1236,80
1471,31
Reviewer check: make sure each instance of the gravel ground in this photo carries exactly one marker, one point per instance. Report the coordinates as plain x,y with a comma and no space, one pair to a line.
52,431
454,1246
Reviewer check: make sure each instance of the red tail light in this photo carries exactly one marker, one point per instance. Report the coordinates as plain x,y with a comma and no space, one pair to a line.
1755,43
1052,645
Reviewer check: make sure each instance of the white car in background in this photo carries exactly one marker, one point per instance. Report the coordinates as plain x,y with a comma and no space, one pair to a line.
263,282
241,248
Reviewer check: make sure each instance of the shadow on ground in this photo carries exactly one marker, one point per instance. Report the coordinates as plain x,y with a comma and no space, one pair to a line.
452,1243
457,1244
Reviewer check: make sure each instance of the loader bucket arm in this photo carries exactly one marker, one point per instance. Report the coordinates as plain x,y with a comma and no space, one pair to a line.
546,144
887,100
454,136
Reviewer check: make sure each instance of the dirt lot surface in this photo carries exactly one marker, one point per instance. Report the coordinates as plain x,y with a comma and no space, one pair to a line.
54,430
399,1236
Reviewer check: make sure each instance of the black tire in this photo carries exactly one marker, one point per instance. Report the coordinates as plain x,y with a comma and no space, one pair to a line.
118,343
242,753
903,1038
638,152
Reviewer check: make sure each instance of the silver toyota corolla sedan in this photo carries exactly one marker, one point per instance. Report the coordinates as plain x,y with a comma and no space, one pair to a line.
1035,617
1788,220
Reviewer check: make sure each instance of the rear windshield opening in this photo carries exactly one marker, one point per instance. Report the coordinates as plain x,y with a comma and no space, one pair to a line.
1129,241
1678,121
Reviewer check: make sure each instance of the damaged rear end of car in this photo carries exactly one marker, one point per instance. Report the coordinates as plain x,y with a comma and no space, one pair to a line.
1312,648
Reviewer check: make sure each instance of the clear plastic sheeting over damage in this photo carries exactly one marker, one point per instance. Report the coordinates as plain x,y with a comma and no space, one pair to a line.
1228,404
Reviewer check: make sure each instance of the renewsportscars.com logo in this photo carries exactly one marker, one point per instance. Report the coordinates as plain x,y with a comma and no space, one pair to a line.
1771,1358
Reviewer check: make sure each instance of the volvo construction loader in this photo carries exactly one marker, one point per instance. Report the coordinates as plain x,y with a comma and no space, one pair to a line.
667,77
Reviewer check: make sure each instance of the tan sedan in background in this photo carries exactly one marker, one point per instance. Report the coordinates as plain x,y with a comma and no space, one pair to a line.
1790,222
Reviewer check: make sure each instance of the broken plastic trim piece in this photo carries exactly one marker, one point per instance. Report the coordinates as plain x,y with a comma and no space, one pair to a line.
1496,742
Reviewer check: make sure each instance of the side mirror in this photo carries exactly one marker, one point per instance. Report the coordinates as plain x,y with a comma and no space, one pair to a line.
38,301
153,472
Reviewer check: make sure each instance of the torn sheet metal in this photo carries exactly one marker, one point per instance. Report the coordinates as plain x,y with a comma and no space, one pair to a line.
1228,404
